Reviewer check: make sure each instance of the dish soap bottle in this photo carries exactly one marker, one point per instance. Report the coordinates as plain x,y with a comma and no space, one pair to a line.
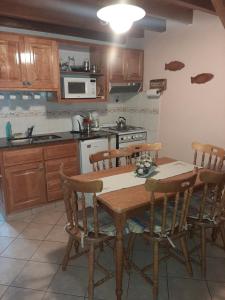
8,130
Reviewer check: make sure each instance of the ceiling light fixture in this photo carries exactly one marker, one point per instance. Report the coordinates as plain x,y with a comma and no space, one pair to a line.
121,16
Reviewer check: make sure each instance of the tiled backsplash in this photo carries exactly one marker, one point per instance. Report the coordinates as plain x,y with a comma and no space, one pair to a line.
50,117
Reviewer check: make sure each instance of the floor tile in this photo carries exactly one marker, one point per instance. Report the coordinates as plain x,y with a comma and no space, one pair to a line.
51,252
3,288
63,220
214,251
57,234
176,269
14,293
12,228
141,290
144,258
50,217
35,275
60,206
186,289
73,281
4,242
217,290
55,296
216,269
9,269
21,248
36,231
107,290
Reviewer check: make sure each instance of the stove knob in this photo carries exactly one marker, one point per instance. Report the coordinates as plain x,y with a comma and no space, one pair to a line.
121,139
125,138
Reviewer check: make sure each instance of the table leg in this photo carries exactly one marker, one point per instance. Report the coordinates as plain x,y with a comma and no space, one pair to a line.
119,222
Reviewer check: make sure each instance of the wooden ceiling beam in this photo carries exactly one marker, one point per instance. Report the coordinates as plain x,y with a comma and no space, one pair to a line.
203,5
220,9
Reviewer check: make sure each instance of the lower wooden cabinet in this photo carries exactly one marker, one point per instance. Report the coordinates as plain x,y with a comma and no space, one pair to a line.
25,186
54,188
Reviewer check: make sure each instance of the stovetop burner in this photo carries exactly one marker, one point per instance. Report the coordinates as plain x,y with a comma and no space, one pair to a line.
128,128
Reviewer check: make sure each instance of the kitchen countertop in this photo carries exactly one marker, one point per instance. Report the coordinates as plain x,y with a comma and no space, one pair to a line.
63,137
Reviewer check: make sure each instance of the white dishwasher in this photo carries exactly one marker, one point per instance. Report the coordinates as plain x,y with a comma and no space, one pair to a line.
88,147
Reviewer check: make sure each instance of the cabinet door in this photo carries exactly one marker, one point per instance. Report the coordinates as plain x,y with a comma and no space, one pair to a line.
41,63
134,65
12,68
25,186
116,65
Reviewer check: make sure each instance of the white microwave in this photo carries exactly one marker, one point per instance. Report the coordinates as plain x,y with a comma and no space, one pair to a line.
78,87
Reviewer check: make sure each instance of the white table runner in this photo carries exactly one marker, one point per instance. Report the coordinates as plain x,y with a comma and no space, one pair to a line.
125,180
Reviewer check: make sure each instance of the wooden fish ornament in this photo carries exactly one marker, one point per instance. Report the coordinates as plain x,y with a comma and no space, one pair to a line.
202,78
174,65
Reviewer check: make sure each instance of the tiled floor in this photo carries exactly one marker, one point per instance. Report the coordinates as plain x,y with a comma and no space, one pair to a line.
31,250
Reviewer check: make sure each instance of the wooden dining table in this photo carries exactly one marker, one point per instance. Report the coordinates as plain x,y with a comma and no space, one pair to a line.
122,204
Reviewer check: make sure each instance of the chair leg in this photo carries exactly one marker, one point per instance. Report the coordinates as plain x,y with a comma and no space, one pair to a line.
184,248
67,254
222,231
155,276
91,260
203,252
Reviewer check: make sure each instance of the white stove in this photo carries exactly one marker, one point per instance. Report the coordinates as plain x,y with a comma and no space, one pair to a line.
128,136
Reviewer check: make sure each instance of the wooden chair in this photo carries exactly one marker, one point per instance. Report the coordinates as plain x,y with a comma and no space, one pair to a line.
151,149
85,231
164,224
208,156
108,159
207,211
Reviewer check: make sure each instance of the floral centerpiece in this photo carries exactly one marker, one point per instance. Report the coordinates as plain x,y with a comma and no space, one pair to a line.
145,166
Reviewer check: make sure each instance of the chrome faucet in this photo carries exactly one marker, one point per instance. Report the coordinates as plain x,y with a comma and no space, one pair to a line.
30,131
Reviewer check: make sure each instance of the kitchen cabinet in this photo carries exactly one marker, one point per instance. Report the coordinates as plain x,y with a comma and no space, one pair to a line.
28,63
125,65
25,186
117,65
12,71
66,154
30,175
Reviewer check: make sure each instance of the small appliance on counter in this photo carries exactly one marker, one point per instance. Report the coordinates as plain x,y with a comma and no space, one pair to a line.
94,116
77,124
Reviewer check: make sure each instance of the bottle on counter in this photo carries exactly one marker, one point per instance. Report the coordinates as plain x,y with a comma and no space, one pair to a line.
8,130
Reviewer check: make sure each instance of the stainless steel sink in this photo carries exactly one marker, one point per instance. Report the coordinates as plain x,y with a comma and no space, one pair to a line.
47,137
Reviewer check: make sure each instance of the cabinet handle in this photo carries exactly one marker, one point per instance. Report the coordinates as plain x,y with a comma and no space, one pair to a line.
24,82
41,168
29,83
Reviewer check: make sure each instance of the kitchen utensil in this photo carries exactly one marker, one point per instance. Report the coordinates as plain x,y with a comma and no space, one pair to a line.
86,66
121,123
77,123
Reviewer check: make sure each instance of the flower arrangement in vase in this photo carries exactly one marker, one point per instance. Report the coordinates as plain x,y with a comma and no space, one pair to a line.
145,166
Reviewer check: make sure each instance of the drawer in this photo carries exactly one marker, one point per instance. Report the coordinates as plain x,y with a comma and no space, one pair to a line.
60,151
23,156
53,179
54,165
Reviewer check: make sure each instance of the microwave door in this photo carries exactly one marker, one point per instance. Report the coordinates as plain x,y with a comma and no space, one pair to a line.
77,89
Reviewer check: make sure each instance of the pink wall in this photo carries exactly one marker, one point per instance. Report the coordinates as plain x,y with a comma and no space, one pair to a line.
189,112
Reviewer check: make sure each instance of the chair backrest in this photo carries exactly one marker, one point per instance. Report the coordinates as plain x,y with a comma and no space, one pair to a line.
150,149
218,158
108,159
211,205
169,215
75,202
208,156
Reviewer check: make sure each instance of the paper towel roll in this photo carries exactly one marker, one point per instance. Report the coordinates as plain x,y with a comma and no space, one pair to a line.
153,93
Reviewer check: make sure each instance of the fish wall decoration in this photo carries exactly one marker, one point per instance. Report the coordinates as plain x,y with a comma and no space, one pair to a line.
174,65
202,78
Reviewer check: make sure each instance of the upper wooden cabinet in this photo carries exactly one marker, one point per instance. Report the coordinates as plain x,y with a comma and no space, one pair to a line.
12,71
28,63
125,65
